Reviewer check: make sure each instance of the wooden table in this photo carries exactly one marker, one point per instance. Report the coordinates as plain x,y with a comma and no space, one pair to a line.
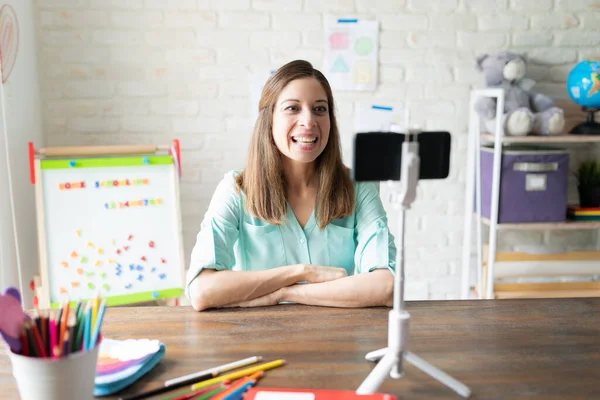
502,349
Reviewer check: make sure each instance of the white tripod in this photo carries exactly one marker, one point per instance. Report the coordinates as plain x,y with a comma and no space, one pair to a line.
392,356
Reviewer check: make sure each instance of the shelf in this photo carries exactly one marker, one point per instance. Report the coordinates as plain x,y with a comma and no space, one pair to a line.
523,226
544,139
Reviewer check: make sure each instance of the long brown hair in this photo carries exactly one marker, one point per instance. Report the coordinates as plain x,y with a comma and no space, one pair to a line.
262,180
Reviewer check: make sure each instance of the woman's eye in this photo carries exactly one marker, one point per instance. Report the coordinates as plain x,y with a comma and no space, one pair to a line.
291,108
321,109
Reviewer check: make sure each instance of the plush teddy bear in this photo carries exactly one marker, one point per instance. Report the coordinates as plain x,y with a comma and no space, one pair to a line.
524,112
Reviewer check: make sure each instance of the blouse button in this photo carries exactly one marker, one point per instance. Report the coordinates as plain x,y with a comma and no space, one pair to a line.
302,240
380,224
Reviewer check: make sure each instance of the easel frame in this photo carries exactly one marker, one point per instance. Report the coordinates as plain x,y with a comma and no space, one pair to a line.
41,279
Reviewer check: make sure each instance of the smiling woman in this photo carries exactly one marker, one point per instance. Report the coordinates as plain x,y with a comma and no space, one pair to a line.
292,226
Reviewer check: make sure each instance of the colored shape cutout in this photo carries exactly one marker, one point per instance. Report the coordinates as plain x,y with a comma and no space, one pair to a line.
100,251
90,244
363,46
91,285
340,66
362,72
151,244
64,264
83,260
74,284
78,232
103,275
80,271
140,277
128,286
162,276
73,254
143,258
140,268
162,260
339,41
63,290
153,269
106,287
98,263
155,295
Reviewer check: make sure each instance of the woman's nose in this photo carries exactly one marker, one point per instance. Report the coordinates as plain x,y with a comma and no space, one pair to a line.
307,119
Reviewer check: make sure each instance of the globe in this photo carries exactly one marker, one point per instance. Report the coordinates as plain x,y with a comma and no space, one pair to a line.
583,83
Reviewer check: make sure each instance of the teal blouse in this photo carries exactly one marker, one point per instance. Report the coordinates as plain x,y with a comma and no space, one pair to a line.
232,239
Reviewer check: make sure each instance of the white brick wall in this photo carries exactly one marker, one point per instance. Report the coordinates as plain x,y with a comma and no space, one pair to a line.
146,71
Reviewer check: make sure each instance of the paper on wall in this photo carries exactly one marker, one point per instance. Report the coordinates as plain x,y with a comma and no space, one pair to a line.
380,117
351,54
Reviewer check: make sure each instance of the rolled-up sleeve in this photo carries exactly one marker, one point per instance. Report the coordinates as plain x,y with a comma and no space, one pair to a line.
375,244
218,232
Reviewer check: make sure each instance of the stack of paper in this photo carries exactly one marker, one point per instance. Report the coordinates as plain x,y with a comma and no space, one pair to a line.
122,362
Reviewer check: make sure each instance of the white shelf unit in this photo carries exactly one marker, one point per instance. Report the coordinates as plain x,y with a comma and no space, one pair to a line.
473,193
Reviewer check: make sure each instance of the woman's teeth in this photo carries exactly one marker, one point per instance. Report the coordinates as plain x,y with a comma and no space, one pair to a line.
304,140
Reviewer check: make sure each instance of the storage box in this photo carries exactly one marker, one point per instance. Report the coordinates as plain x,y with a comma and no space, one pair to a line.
533,184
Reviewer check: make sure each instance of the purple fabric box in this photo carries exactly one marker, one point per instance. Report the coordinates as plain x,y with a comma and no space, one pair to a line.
533,184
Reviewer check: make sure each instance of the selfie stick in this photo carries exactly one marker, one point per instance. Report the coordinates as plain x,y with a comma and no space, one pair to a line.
392,356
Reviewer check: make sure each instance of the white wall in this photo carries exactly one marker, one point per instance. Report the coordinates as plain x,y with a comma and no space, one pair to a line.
21,122
145,71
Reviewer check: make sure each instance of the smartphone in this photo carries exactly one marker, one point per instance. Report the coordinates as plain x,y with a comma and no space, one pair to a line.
377,156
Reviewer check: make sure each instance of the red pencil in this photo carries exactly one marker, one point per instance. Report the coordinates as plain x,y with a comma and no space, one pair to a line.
38,340
24,347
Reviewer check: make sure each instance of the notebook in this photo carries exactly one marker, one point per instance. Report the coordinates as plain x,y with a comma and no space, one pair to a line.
122,362
310,394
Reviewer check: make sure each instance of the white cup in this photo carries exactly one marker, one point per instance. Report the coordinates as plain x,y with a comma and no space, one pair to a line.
68,378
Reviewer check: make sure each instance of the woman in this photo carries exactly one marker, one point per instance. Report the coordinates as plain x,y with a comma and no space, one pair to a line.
293,215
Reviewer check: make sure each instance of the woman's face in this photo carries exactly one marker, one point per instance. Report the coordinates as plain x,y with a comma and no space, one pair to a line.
301,120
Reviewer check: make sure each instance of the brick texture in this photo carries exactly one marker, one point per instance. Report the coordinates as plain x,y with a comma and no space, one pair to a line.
146,71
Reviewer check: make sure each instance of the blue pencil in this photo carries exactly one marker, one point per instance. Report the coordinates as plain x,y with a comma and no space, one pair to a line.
86,327
238,393
96,331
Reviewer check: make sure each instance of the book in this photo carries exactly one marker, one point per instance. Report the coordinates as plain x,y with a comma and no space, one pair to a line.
122,362
311,394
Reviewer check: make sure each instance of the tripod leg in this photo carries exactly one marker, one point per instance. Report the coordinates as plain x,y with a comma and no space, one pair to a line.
378,375
438,374
376,355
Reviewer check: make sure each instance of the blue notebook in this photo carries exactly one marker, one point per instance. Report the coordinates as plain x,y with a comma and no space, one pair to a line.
122,362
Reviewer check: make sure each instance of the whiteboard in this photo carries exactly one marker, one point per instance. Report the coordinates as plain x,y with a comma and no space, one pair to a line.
110,225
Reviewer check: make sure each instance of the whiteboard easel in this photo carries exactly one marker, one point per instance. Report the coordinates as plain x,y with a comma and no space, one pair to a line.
109,221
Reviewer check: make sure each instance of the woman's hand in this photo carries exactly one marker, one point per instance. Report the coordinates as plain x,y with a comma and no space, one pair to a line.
271,299
318,273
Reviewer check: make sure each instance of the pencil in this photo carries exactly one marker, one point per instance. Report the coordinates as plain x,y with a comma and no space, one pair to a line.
79,334
95,300
212,393
38,340
63,323
71,330
86,327
242,383
33,349
52,337
239,374
195,393
66,341
99,318
44,331
24,345
164,389
196,377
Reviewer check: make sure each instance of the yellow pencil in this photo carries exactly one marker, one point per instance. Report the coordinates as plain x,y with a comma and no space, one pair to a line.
95,304
239,374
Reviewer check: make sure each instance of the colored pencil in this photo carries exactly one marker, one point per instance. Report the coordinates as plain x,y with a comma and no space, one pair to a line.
239,384
238,393
197,376
44,332
79,334
211,394
239,374
86,327
192,394
24,344
63,324
38,340
164,389
52,337
96,330
95,300
66,342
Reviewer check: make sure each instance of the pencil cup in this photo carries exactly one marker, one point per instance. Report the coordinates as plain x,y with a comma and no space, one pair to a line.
66,378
